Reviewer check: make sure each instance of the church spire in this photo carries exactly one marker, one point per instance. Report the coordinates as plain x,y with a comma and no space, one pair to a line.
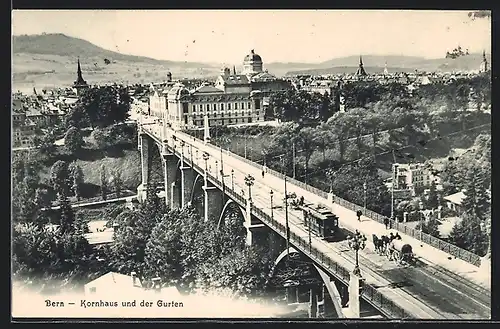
361,69
79,78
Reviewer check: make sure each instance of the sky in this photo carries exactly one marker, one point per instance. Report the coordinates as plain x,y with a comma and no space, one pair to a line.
226,36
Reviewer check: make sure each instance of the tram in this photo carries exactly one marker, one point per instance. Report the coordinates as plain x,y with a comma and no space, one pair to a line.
321,220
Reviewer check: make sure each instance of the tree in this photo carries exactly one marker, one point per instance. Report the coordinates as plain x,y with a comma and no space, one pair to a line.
66,215
430,227
244,272
348,182
117,182
476,202
45,144
73,140
76,178
102,138
433,197
102,107
42,200
305,141
104,181
341,127
469,235
59,177
323,138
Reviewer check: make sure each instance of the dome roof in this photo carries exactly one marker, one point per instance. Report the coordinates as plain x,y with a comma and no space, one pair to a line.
177,91
253,57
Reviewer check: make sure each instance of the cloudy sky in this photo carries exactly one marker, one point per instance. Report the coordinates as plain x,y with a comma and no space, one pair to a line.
285,36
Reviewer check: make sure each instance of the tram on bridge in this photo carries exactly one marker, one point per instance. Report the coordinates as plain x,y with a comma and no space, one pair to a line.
320,220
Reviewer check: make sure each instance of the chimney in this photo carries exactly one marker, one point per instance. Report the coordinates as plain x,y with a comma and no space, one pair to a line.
134,279
157,284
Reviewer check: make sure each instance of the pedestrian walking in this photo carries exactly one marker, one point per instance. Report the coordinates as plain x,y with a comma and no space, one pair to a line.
386,222
262,173
359,213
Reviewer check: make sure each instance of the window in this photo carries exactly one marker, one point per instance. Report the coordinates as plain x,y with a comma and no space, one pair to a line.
194,108
228,106
242,106
185,109
222,107
257,104
215,107
242,113
235,106
257,113
222,115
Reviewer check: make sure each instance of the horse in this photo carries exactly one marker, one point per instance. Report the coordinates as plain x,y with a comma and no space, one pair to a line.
378,244
385,242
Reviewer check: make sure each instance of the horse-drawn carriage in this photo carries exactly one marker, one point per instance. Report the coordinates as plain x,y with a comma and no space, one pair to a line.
400,252
394,248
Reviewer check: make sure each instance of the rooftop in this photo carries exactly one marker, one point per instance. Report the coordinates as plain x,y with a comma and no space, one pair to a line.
456,198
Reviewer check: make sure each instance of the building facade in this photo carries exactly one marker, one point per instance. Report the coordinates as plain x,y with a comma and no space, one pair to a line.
411,176
233,98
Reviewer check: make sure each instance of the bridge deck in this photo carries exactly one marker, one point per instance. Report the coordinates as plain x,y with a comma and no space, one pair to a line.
426,291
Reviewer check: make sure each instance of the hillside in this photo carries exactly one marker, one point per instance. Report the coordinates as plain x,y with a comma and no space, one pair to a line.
49,60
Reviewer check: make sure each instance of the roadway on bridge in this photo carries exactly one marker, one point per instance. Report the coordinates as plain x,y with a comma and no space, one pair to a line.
427,291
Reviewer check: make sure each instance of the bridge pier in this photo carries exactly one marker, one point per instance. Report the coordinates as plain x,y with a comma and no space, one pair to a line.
144,145
254,227
326,307
355,283
187,182
292,295
169,171
313,303
213,202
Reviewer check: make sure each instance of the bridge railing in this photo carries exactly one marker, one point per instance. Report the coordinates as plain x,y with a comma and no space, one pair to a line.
437,243
369,293
401,227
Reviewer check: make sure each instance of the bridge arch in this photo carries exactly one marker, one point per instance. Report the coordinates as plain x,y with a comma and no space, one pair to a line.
230,204
330,285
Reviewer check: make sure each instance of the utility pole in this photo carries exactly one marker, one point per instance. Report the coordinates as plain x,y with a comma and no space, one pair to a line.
286,218
293,158
392,185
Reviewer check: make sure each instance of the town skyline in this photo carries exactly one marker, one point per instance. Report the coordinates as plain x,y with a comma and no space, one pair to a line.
426,34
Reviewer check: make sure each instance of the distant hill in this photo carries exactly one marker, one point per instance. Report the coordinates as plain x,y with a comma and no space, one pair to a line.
373,64
63,45
349,69
48,60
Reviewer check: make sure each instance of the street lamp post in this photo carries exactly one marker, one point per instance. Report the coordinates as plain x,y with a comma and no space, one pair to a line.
232,179
205,157
309,231
271,193
357,242
364,198
182,143
249,182
421,214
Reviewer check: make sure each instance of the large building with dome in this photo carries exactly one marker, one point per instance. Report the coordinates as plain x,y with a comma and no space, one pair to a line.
235,98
